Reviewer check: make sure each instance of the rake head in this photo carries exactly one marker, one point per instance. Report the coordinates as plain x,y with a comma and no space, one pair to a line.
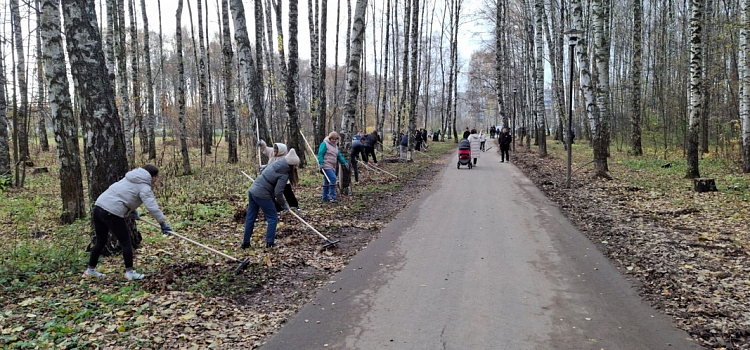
243,264
329,243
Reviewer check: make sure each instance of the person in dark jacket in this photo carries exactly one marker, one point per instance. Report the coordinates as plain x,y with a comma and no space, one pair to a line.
504,139
357,150
403,146
119,201
278,151
371,141
266,189
466,133
418,141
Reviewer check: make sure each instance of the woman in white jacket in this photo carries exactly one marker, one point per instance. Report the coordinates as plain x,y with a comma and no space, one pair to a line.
475,145
119,201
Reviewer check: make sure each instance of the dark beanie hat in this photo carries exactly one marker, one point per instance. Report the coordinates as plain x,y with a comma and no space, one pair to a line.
152,169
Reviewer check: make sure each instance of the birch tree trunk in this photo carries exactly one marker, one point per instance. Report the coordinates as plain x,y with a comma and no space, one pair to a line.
348,122
22,121
109,44
744,88
695,88
322,66
181,91
635,137
499,29
292,83
137,99
208,131
122,73
66,130
104,147
600,10
319,124
4,143
229,111
151,117
42,126
251,78
584,69
414,86
539,83
405,71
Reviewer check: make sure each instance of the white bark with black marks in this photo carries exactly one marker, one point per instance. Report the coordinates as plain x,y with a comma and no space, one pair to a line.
229,111
695,88
181,91
353,66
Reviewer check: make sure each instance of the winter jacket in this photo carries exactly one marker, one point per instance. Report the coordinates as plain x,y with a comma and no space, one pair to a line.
475,145
405,141
505,139
125,196
357,140
268,151
270,184
328,154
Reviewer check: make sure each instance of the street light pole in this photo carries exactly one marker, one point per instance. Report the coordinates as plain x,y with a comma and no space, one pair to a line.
513,131
572,41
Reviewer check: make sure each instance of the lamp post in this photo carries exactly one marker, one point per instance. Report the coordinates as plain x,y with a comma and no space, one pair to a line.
572,42
513,131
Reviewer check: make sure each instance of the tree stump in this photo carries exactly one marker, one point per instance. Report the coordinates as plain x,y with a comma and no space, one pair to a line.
704,185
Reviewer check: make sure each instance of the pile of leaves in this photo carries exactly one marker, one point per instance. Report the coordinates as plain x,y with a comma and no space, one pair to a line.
191,298
689,251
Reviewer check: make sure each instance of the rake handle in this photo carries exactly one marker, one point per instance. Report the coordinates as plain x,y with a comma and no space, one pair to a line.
194,242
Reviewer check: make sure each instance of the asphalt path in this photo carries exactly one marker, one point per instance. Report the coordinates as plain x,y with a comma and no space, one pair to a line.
482,260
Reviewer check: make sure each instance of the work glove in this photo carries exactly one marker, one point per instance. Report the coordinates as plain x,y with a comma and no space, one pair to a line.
135,215
285,208
259,143
165,229
320,168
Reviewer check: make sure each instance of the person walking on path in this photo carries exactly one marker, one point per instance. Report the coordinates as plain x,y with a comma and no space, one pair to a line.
119,201
482,140
265,192
328,158
278,151
504,140
466,133
475,145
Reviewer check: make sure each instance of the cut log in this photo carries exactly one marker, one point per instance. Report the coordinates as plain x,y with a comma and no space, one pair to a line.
40,170
704,185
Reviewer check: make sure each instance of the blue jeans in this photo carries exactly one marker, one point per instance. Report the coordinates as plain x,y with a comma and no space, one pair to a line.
329,188
269,211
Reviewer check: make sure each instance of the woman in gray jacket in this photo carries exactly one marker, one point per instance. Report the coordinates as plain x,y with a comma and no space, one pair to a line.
119,201
269,186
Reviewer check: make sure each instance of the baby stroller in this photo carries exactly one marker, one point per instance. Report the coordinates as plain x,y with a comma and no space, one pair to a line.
464,154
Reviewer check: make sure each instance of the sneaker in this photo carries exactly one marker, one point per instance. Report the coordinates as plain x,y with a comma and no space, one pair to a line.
298,209
271,245
333,201
133,275
245,245
92,273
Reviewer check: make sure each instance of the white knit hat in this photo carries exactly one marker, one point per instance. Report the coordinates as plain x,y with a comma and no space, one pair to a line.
291,157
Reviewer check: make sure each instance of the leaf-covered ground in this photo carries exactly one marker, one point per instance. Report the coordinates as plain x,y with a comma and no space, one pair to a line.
191,298
688,250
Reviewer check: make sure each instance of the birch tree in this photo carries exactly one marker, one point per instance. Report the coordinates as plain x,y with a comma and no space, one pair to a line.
136,99
600,10
21,127
635,120
229,111
695,88
744,88
414,86
151,116
122,72
292,82
42,125
584,70
348,122
181,91
207,126
4,144
104,147
539,83
65,128
319,123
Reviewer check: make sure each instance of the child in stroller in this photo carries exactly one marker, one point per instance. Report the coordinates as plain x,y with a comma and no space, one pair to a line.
464,154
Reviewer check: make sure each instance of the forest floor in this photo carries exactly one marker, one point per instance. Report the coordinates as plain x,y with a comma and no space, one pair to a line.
687,251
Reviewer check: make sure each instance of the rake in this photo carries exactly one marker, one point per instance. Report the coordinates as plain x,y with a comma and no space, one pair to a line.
243,262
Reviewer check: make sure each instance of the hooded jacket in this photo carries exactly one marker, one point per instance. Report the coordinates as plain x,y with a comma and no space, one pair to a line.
268,151
475,145
270,184
126,195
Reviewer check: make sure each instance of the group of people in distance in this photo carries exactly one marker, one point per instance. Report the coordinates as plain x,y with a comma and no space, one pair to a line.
478,141
271,191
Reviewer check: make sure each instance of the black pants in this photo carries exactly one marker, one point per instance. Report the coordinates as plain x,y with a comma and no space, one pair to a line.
104,223
370,151
504,153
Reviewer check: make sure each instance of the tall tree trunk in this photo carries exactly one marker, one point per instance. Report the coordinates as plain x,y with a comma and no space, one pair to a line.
323,65
42,126
151,117
539,83
348,122
744,88
584,69
252,80
319,122
600,10
22,125
207,127
386,41
405,72
4,143
229,111
104,147
499,29
181,91
292,83
162,94
414,86
635,120
695,88
122,72
66,130
136,80
109,44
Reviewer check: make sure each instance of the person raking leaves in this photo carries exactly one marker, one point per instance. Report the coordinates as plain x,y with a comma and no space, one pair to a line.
119,201
269,186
